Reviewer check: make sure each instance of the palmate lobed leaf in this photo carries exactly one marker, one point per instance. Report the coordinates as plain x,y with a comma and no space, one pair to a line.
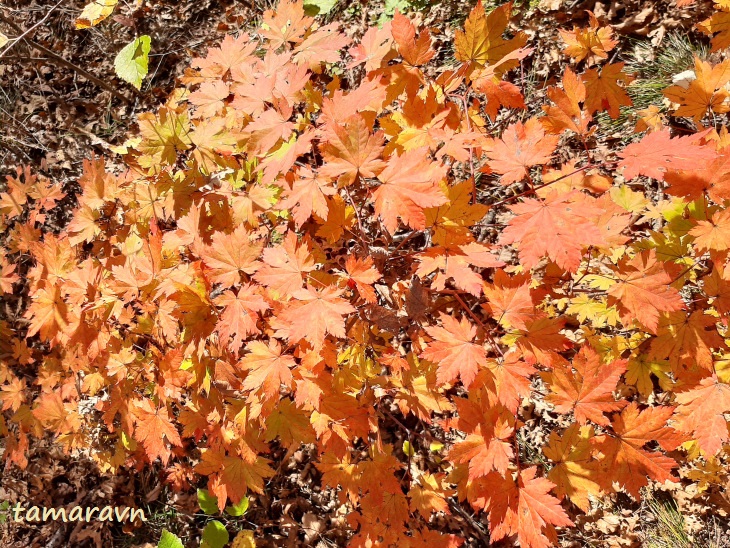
294,258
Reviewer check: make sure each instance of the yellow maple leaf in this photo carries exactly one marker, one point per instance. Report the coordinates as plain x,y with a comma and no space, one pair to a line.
574,467
95,12
481,40
450,222
705,93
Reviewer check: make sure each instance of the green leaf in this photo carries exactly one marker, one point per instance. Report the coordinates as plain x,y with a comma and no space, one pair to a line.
239,509
207,501
131,63
4,506
318,7
215,535
169,540
389,10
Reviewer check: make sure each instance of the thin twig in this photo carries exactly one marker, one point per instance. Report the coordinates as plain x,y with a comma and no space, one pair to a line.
15,40
535,189
474,317
357,216
481,533
68,64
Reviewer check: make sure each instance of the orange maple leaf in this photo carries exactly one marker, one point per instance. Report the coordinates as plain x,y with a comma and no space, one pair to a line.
541,340
717,286
152,427
643,289
57,415
587,389
233,476
7,275
507,379
287,24
375,48
454,350
567,114
524,507
322,45
362,274
339,472
592,43
267,367
520,147
239,315
351,150
481,42
649,119
48,313
285,265
626,461
487,446
315,313
710,177
719,26
231,255
713,235
603,91
99,187
232,52
657,153
415,50
686,339
559,228
12,394
453,262
409,185
307,196
268,128
705,93
509,300
429,496
701,414
574,470
209,98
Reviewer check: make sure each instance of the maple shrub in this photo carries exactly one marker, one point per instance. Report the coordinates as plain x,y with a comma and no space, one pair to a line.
314,238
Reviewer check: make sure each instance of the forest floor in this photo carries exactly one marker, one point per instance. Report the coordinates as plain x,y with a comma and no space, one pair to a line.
52,118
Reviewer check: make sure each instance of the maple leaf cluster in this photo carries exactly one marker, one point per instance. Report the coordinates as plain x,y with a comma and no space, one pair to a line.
296,254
